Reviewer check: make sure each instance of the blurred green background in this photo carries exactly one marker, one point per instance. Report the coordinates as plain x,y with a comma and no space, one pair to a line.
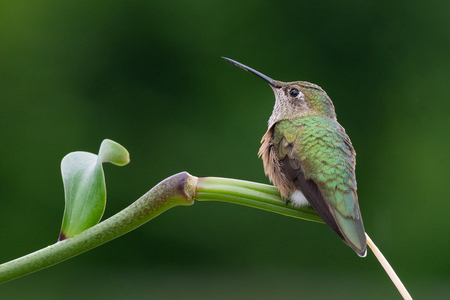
148,74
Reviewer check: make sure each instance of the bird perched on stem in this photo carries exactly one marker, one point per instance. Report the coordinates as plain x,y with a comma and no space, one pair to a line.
308,156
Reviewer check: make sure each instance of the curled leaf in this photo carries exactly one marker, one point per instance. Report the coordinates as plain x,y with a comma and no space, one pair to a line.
84,186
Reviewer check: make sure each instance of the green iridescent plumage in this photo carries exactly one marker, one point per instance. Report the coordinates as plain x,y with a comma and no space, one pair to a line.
319,148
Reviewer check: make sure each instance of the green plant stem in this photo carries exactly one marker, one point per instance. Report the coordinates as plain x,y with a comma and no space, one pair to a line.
179,189
173,191
251,194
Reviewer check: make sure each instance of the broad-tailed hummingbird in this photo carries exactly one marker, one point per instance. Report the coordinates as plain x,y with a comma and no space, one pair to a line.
308,156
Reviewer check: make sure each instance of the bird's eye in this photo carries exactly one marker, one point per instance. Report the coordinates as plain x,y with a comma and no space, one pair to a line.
294,93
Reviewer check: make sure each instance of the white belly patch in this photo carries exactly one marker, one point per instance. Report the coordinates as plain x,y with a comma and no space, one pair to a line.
298,199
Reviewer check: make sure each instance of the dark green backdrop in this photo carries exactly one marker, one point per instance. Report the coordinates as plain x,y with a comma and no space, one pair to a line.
148,75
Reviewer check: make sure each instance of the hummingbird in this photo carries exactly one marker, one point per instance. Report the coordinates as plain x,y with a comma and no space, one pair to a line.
309,157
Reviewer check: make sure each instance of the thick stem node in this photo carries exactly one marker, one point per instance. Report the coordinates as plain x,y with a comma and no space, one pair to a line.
178,189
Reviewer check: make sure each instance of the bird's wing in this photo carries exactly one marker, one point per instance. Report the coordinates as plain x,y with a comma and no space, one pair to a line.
319,160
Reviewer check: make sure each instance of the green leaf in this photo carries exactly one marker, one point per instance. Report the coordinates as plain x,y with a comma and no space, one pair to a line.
84,186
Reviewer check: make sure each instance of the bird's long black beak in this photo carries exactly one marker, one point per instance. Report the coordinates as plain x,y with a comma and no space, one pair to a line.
266,78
